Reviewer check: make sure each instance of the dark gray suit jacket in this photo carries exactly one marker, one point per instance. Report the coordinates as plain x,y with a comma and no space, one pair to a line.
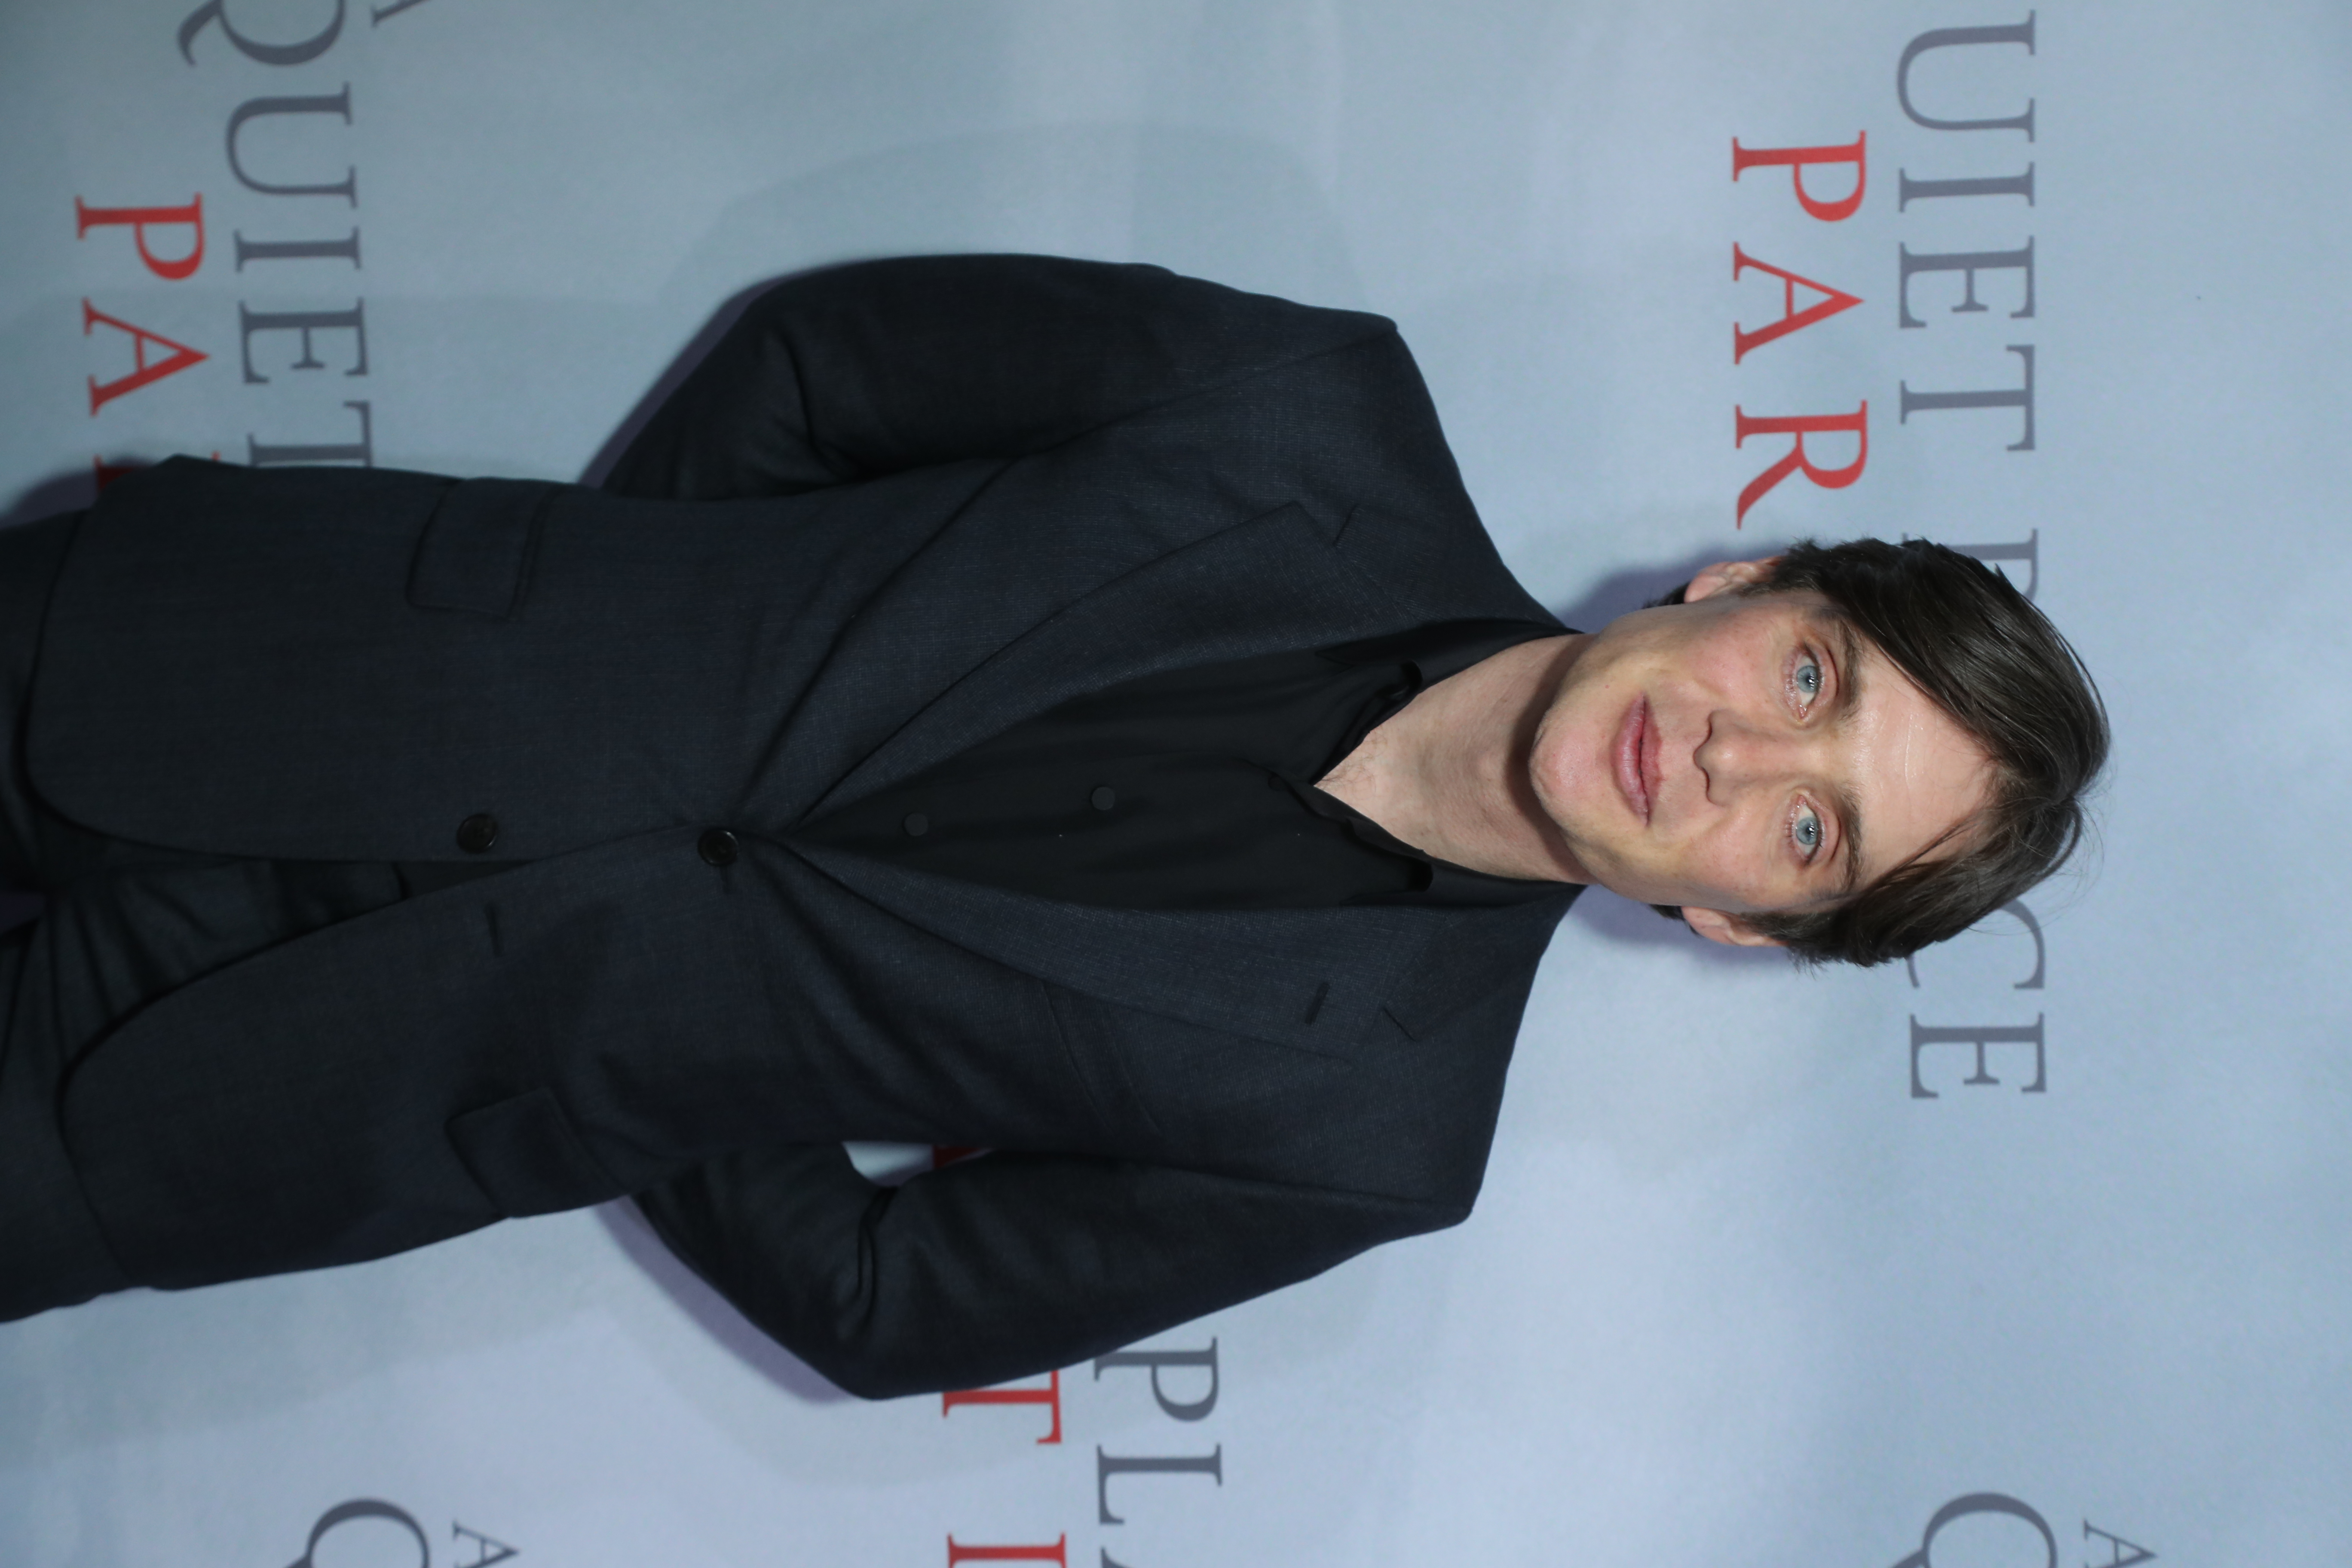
902,506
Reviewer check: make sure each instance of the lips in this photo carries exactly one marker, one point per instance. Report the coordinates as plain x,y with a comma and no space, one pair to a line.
1635,755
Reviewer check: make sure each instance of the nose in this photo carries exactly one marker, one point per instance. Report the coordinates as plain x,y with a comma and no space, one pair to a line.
1738,753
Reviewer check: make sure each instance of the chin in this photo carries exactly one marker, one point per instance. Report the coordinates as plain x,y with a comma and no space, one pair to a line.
1559,777
1578,794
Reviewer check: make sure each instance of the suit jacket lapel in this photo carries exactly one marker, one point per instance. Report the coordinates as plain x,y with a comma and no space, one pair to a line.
1311,979
1307,978
1261,586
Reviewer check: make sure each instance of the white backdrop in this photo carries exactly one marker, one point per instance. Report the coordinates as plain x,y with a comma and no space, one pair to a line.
1742,1288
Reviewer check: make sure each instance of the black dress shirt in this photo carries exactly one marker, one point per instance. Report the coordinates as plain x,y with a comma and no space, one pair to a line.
1190,789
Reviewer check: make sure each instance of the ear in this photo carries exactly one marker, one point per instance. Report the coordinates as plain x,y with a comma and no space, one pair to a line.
1728,575
1729,930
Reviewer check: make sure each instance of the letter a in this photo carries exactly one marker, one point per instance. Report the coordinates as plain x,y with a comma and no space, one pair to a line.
102,394
2116,1547
488,1554
1791,320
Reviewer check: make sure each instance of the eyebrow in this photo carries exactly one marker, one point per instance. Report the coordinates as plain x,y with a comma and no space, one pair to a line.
1842,800
1849,839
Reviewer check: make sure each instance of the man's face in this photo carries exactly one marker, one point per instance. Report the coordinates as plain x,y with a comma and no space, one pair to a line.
1738,755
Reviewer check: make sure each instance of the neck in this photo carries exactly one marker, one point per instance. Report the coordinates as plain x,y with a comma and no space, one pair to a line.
1447,773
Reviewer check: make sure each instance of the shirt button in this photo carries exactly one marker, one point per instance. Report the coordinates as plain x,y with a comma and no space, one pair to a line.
477,833
717,847
916,824
1104,797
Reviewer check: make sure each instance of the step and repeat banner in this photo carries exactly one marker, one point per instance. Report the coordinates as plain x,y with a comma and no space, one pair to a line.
2029,1254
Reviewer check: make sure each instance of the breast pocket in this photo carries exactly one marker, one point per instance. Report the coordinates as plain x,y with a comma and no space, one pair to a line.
475,553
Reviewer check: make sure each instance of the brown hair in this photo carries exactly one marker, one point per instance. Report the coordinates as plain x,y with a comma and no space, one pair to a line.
1984,655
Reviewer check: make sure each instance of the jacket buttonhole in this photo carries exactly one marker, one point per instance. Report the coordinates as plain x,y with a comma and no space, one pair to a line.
497,939
1316,1007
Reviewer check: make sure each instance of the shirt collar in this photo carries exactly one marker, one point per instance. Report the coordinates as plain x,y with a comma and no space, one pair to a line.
1439,881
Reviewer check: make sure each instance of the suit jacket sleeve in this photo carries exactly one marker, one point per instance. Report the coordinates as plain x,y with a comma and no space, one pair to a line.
860,370
1000,1267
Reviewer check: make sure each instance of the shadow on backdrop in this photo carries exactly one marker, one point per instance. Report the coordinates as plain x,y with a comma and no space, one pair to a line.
71,489
697,349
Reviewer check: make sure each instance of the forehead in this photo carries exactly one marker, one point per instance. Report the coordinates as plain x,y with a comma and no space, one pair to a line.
1800,602
1909,768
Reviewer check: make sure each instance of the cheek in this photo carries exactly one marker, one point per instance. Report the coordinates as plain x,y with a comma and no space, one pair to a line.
1735,868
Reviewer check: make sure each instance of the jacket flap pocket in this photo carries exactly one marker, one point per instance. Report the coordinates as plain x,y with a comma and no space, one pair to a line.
526,1158
477,546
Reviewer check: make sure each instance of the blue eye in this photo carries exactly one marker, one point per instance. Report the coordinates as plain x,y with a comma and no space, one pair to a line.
1807,831
1809,680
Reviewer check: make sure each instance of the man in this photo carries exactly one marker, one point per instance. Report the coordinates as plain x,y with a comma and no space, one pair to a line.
1052,705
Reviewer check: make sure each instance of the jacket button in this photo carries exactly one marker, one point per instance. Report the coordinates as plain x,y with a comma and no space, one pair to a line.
717,847
477,833
1104,797
916,824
